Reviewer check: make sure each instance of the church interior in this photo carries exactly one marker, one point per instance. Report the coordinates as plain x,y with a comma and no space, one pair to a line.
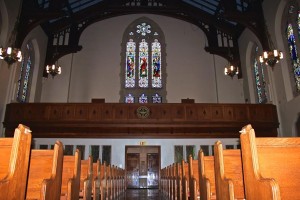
146,96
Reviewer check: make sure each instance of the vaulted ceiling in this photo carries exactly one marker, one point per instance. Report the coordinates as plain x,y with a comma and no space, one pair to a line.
221,20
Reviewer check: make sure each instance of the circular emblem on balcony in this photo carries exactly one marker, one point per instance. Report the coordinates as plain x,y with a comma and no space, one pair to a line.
143,112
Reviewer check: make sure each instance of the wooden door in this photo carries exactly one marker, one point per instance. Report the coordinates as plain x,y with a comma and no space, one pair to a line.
142,166
132,169
153,170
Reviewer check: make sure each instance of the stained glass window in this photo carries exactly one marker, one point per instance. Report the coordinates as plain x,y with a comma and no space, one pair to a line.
178,155
144,67
143,99
156,62
94,151
143,63
293,55
156,98
106,154
259,79
190,150
129,99
130,64
298,22
25,74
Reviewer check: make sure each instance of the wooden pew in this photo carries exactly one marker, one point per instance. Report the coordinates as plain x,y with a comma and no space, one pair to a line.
14,154
185,180
173,180
71,177
178,182
163,180
106,183
270,166
96,180
45,173
193,178
228,173
86,178
206,176
103,183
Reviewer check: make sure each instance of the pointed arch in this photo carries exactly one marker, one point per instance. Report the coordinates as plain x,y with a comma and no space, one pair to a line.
143,62
292,38
25,76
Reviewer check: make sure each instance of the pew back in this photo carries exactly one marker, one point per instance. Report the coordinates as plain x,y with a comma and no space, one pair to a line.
228,173
193,178
185,180
45,173
86,176
271,166
206,176
96,179
14,154
71,176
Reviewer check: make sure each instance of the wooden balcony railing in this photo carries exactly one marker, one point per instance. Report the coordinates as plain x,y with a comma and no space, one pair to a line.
119,120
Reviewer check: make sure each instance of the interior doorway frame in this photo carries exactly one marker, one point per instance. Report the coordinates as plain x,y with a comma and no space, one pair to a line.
143,146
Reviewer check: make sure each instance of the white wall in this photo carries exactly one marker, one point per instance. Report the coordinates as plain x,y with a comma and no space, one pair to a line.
118,146
96,68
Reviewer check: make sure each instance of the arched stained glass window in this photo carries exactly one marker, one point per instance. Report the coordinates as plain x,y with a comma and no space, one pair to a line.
130,64
156,62
293,53
145,66
260,82
143,63
292,35
24,80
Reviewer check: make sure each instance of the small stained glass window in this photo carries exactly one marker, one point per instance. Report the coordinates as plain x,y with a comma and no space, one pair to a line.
143,29
178,153
143,99
205,149
68,150
82,150
106,154
95,149
156,99
129,98
190,150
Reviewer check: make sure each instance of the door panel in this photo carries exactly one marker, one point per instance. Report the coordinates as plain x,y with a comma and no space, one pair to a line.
142,166
132,168
153,170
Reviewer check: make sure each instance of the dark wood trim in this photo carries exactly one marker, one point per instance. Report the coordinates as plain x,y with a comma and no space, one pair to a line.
119,120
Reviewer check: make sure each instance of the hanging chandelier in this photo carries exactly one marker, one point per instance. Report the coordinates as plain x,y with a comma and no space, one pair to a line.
53,70
271,57
10,55
231,70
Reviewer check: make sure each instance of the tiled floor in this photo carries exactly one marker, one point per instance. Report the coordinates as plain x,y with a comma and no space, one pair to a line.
142,194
